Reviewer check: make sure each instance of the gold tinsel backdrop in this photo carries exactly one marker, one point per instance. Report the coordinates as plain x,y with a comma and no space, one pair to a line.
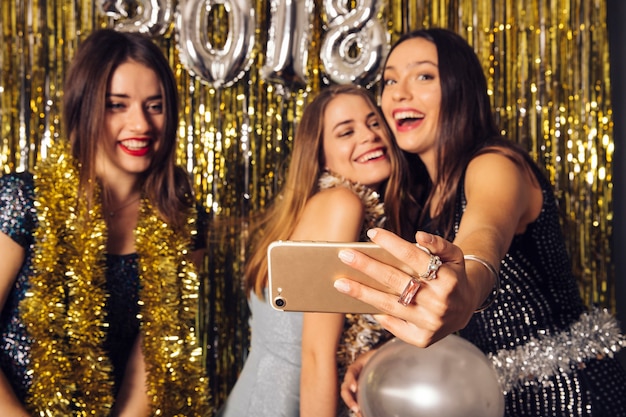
246,68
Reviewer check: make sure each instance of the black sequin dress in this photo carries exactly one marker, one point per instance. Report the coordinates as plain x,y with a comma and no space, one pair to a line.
18,219
553,356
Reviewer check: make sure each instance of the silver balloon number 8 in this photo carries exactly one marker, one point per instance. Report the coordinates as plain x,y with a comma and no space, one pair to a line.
353,47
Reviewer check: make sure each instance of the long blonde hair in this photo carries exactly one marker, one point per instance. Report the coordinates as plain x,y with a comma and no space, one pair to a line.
306,165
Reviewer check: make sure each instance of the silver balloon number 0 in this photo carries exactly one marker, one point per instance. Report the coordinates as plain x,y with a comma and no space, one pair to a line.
355,43
219,67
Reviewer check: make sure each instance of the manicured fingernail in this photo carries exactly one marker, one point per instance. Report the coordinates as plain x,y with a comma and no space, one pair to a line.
425,237
342,286
346,256
371,233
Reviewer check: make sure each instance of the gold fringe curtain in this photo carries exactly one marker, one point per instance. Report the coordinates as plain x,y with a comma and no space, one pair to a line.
548,70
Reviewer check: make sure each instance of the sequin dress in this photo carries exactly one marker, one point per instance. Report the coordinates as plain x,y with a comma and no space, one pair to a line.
269,383
553,356
18,219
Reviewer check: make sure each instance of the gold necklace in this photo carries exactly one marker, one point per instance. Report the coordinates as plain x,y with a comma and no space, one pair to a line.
112,213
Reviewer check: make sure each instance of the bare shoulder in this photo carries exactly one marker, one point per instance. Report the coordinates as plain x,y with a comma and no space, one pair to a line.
332,214
337,198
492,163
495,182
13,257
499,170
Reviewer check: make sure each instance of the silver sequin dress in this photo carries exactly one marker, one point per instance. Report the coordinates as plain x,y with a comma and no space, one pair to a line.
269,383
553,356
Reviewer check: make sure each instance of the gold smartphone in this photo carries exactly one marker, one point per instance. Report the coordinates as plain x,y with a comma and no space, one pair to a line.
301,275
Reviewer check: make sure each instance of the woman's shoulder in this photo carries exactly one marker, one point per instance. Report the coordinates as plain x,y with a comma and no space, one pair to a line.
333,214
497,161
16,187
337,198
16,180
17,217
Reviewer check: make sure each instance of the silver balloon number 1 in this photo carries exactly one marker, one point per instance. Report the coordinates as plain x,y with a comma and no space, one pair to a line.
354,45
288,40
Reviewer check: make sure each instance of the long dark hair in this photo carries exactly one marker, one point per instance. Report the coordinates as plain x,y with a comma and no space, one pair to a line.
166,185
466,124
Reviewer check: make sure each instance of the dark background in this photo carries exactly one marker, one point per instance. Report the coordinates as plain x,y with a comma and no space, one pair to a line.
616,21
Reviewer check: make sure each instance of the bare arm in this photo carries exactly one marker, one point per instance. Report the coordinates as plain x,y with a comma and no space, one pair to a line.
498,207
331,215
13,257
321,333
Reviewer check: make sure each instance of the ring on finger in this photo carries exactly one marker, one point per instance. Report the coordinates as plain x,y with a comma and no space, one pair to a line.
409,292
433,266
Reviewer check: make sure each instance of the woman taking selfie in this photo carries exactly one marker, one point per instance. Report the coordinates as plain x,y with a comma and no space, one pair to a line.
498,271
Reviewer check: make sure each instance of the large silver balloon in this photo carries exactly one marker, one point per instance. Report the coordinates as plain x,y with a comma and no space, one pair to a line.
355,43
217,67
288,40
146,16
451,378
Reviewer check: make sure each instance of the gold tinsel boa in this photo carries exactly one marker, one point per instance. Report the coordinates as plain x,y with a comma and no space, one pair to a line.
64,310
374,209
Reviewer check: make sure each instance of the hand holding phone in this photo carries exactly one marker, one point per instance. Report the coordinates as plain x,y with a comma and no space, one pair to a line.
301,275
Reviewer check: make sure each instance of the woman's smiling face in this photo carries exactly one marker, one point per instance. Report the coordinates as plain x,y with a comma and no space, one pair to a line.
134,121
411,97
355,142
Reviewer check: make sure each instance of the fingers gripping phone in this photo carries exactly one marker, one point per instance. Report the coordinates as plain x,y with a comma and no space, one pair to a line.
301,275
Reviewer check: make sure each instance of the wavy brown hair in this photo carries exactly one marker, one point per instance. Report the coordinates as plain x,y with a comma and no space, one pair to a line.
306,165
166,185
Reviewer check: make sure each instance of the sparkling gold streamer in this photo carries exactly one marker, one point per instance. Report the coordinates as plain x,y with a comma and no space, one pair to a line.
64,309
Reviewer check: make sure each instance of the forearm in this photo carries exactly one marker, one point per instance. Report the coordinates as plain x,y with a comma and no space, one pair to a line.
483,251
9,404
318,381
320,338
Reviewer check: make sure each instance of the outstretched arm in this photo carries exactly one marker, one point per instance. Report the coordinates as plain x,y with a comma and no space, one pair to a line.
498,207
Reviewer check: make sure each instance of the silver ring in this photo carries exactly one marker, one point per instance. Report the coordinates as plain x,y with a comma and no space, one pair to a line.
433,267
409,292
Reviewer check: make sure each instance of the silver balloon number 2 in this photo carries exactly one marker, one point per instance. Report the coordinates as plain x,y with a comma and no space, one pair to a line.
219,67
353,47
146,16
355,43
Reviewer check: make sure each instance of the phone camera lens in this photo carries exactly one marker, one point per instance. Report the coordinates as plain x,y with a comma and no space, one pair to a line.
279,302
